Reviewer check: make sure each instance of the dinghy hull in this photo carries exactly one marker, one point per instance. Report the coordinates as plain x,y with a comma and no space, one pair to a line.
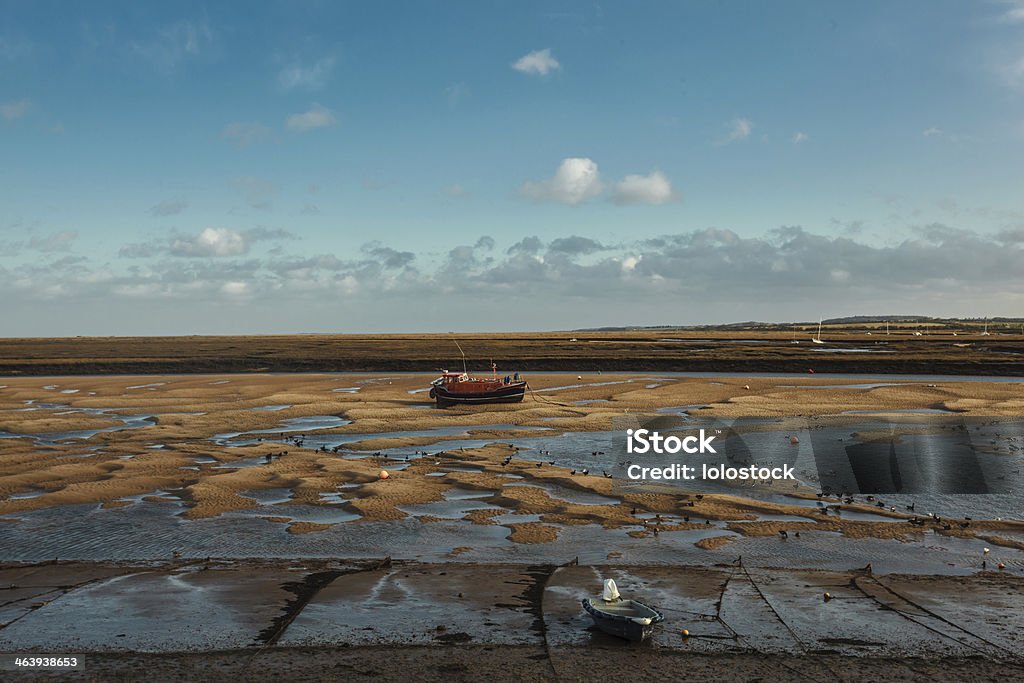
636,628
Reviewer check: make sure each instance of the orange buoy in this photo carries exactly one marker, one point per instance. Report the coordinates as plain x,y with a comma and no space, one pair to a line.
384,474
828,596
685,633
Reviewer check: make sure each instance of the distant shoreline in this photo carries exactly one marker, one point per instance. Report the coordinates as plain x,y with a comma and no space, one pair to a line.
845,351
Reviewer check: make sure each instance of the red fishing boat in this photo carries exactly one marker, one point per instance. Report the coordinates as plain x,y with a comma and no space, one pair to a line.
454,388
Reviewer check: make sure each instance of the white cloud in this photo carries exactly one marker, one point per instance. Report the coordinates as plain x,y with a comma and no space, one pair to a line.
540,62
654,188
60,241
211,242
169,207
455,191
15,110
316,117
799,137
1014,15
235,288
244,134
739,129
576,180
456,93
257,192
307,76
931,132
14,47
176,43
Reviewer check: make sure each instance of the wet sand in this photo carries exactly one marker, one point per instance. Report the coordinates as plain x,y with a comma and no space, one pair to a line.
193,466
175,438
408,621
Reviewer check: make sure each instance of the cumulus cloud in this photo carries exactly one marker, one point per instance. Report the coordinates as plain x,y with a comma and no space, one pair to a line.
799,137
931,132
14,46
257,192
1014,14
936,269
316,116
575,246
60,241
312,75
209,243
175,43
576,180
455,191
539,62
244,134
168,207
739,129
16,109
456,93
653,188
386,256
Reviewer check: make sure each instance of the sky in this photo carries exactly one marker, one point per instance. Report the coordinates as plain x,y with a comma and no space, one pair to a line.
288,167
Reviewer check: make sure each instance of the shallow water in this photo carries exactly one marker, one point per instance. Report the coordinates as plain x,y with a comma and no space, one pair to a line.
153,530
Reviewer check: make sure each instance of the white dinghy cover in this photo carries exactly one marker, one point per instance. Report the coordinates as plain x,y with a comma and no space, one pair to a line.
611,592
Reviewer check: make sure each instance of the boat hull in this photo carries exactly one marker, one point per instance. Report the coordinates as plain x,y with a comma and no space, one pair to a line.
624,626
507,393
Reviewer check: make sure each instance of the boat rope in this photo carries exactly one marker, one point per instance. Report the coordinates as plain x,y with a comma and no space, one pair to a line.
1015,659
796,638
542,399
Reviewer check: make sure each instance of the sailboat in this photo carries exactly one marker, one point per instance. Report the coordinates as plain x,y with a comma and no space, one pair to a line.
817,338
797,341
985,333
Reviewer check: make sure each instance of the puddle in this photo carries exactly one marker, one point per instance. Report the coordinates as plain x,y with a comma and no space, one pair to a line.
151,386
279,406
300,512
901,411
571,495
346,390
25,496
513,518
862,385
589,401
268,496
290,426
446,509
50,438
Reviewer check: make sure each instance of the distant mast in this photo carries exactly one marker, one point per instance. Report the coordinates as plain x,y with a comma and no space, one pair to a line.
817,338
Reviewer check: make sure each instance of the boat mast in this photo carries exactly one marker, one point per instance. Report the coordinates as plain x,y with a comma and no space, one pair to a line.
464,370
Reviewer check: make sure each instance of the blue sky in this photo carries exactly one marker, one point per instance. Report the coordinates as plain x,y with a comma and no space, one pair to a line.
321,166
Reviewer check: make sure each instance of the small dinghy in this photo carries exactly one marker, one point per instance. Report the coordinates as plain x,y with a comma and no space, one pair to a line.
623,618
